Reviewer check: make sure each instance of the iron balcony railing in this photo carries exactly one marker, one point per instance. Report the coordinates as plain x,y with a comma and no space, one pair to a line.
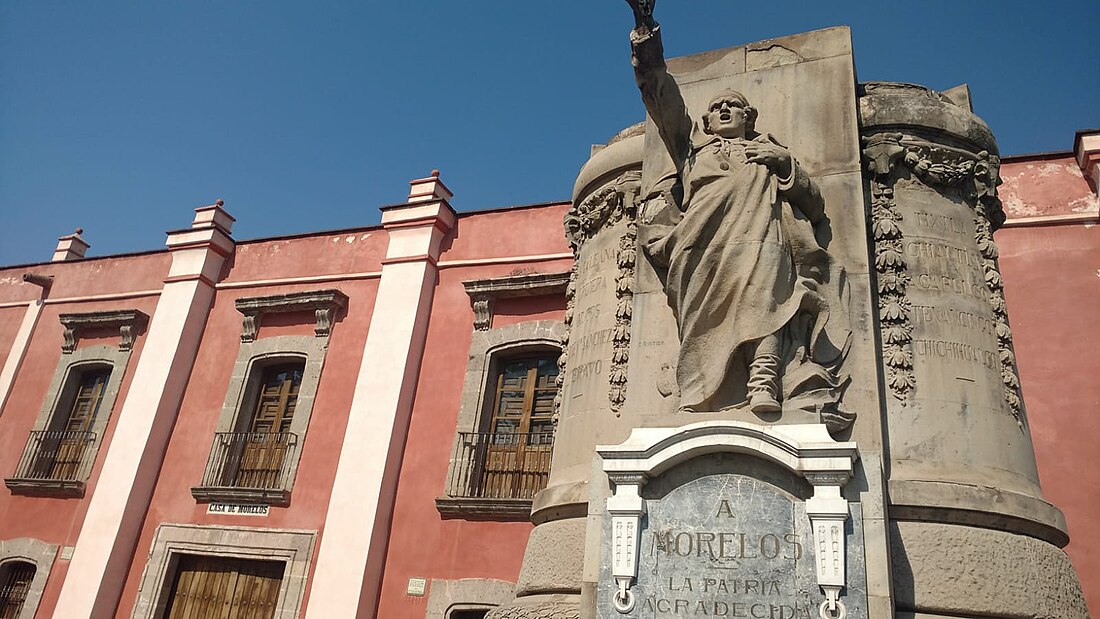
491,465
254,460
56,455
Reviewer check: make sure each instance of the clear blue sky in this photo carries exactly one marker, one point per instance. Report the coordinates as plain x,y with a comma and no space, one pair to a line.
121,117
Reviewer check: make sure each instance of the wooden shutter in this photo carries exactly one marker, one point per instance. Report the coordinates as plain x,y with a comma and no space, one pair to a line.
88,398
517,459
224,588
70,445
15,581
266,442
278,397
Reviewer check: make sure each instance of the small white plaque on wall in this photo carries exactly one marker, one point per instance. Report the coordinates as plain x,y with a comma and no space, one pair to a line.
237,509
416,587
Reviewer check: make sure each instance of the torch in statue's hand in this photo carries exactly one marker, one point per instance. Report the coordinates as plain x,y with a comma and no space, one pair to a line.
643,14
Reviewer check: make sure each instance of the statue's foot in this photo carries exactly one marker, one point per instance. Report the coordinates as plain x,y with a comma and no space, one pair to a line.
763,402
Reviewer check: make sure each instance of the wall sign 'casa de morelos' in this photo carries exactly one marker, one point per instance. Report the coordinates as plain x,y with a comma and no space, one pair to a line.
731,519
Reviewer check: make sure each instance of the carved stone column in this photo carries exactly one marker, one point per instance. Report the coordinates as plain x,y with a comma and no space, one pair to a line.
960,451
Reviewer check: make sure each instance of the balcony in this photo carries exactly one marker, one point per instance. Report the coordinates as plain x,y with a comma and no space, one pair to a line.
248,467
54,463
495,475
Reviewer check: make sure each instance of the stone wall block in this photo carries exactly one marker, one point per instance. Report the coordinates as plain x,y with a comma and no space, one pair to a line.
554,558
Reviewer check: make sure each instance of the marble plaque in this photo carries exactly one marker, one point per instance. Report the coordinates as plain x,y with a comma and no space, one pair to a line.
731,545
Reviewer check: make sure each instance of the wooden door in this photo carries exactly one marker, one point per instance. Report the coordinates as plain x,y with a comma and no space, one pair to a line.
224,588
517,457
265,445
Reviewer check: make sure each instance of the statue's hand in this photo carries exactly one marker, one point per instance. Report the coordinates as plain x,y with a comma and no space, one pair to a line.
774,157
643,14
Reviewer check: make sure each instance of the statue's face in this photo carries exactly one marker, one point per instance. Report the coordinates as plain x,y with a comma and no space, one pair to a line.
727,117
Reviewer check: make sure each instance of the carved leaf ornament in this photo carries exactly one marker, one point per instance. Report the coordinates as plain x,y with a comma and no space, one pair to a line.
882,153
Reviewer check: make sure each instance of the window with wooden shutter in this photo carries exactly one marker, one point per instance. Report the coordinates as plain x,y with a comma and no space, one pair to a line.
521,429
75,428
59,452
206,587
265,443
15,583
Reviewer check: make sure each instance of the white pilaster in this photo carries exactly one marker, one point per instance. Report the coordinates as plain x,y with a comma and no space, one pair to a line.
23,336
125,485
353,544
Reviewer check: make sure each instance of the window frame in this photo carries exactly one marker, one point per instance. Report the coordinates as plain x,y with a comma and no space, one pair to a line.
56,408
253,356
242,396
487,349
39,554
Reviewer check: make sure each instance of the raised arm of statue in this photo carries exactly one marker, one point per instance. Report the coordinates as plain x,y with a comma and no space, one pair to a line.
660,94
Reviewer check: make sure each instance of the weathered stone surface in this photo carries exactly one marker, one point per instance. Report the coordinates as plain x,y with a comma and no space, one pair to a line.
554,558
967,571
538,607
443,594
894,104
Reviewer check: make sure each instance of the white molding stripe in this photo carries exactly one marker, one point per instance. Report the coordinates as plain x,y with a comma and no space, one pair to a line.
1042,220
309,279
505,260
111,296
313,279
306,279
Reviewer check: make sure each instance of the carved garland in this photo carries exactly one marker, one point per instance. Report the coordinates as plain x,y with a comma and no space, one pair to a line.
570,293
988,209
605,208
936,165
893,279
624,300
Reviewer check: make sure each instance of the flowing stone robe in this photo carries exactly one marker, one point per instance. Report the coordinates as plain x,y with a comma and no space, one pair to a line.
735,248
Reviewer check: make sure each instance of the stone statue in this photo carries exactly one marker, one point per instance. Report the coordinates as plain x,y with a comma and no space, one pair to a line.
730,230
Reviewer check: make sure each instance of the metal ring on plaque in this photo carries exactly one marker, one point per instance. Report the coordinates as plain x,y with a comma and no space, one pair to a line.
623,600
824,611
